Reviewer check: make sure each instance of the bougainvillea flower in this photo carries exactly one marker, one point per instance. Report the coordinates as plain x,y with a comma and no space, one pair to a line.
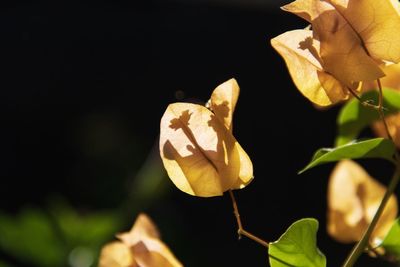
301,54
140,247
197,147
349,42
353,198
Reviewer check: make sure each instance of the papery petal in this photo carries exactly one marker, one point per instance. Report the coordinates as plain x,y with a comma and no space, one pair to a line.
143,227
116,254
246,169
392,78
377,23
301,54
199,153
223,101
306,9
393,123
341,49
152,252
141,246
353,198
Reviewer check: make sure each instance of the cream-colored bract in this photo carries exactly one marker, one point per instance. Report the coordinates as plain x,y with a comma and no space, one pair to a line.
351,40
301,54
377,23
141,246
198,149
353,198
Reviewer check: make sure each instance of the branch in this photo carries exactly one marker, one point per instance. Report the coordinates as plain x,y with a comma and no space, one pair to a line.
240,230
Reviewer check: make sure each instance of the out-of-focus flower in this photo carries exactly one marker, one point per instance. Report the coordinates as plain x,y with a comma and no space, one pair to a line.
393,122
353,198
140,247
349,42
197,147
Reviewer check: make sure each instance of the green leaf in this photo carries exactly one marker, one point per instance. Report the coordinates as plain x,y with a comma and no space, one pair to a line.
297,246
354,117
83,233
84,230
391,243
30,237
370,148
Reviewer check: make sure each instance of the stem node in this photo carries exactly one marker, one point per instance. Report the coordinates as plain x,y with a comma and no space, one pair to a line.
241,232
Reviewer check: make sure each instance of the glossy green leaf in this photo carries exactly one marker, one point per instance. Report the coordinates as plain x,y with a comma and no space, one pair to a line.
297,246
391,243
354,117
369,148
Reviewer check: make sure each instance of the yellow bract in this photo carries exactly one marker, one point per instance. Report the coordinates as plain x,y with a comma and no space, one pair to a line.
393,122
350,41
353,198
301,54
141,246
377,23
391,79
197,147
223,102
116,254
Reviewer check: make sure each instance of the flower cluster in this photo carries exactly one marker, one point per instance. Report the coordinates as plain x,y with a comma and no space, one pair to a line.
141,246
198,149
350,42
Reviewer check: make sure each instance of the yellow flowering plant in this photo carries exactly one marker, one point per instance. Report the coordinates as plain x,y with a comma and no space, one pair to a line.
349,55
352,47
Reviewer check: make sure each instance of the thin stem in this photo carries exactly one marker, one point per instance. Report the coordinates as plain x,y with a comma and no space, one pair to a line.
254,238
240,230
382,116
380,101
364,103
363,243
236,212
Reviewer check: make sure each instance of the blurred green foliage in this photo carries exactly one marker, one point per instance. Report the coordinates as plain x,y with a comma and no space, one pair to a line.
61,235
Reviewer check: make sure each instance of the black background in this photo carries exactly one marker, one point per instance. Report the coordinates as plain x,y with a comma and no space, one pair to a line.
71,71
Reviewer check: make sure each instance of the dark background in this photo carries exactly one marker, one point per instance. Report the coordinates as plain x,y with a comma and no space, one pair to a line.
84,86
